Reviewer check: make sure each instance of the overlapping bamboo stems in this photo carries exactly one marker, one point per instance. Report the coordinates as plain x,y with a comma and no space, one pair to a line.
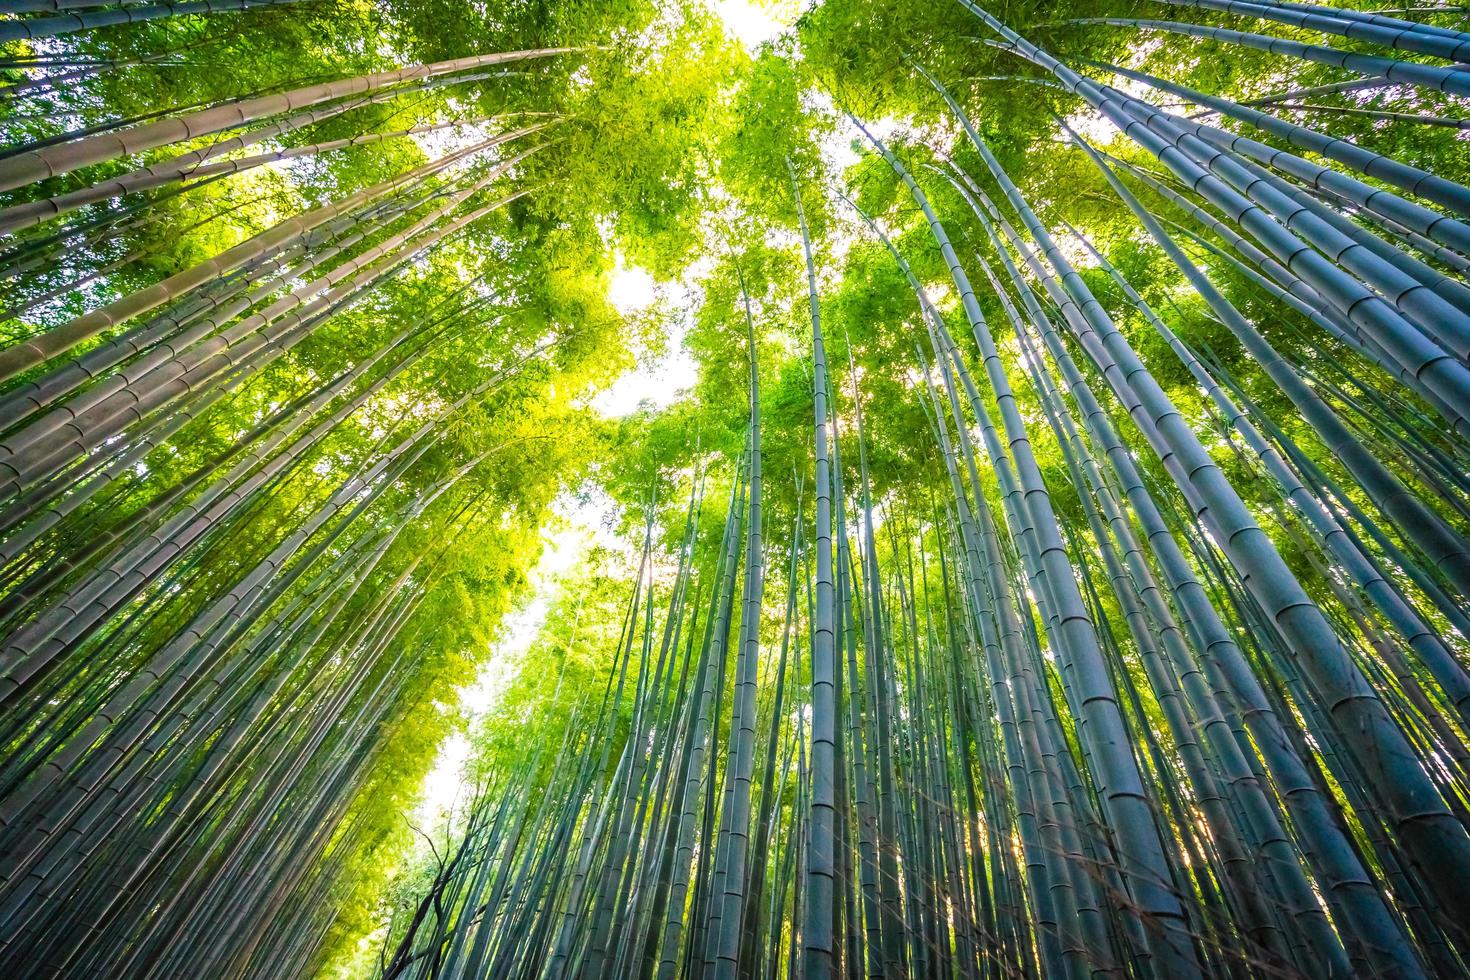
632,897
669,866
279,585
35,300
1402,787
993,601
1333,534
115,895
578,907
86,778
661,873
188,714
260,277
732,853
1420,38
1074,884
597,786
255,867
655,881
179,533
19,216
615,879
1366,16
41,448
700,741
1453,81
993,877
220,690
1280,284
1263,832
1012,683
153,848
1376,322
818,954
756,920
32,165
259,354
1353,874
42,27
876,842
1140,848
196,165
324,307
1423,296
79,240
227,494
58,340
46,393
1435,303
70,550
614,908
32,647
483,947
1416,181
852,584
1417,633
1382,264
74,243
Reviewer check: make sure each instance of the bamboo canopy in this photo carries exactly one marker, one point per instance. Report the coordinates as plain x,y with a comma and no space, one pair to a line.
1052,558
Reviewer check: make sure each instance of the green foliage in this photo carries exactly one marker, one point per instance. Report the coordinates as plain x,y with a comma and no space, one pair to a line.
671,148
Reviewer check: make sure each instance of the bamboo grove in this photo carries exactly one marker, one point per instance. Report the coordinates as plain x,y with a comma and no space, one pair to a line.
1058,567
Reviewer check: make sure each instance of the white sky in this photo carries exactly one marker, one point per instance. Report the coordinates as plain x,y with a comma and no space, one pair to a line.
754,23
657,381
